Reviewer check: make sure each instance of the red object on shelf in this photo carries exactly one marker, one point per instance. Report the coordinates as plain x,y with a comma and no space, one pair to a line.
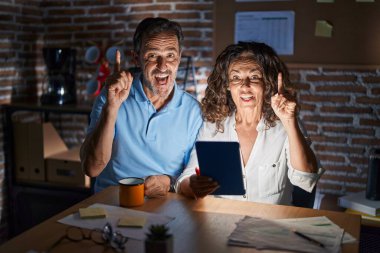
104,72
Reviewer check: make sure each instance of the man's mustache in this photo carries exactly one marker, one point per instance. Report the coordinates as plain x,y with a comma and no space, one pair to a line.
158,72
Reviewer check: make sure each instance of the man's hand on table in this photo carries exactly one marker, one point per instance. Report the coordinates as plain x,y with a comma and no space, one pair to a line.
157,186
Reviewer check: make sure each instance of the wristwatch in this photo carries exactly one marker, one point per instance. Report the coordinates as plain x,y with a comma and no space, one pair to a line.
172,183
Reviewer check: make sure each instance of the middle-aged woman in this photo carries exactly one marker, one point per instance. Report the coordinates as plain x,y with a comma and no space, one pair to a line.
250,99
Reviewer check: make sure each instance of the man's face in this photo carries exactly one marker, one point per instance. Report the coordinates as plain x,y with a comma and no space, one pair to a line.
159,59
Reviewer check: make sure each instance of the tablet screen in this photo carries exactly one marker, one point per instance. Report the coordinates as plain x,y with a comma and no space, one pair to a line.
221,161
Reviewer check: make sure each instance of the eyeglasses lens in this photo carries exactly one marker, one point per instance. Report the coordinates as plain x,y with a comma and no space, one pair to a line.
75,234
119,240
97,236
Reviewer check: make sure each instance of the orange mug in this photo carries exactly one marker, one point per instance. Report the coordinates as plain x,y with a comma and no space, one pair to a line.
131,192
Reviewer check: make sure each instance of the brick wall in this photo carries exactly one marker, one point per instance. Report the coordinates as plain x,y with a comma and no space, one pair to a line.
341,111
340,104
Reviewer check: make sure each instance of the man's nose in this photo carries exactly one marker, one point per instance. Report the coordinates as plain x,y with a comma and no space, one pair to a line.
161,63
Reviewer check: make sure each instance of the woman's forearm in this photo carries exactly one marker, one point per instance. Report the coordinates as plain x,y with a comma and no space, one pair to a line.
301,156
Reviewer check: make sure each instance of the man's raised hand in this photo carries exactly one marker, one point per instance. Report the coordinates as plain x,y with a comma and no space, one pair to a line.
118,84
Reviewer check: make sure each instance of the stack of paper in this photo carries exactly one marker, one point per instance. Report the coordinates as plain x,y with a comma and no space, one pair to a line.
358,202
279,234
364,215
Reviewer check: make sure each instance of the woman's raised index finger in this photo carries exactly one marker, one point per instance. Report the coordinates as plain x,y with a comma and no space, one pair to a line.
117,62
280,86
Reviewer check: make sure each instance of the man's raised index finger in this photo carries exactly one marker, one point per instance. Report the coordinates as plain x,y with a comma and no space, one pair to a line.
117,62
280,86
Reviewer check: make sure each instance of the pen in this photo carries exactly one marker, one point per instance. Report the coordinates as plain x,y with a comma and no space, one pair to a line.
198,173
309,239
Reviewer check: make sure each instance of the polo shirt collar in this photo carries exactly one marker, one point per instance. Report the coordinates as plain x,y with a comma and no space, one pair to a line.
139,93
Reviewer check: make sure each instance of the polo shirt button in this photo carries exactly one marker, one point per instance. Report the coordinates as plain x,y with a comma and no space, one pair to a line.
273,165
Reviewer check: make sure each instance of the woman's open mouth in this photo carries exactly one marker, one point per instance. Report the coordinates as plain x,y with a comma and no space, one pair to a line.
247,98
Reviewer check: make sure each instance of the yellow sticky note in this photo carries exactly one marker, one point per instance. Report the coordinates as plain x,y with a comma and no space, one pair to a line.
130,221
92,213
323,29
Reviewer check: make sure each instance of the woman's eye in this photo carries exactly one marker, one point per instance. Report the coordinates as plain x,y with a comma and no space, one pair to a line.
255,78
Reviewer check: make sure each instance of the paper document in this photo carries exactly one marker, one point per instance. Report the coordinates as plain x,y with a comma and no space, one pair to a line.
318,225
275,28
279,234
114,214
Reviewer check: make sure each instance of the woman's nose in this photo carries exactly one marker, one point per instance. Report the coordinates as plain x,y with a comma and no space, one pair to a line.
246,82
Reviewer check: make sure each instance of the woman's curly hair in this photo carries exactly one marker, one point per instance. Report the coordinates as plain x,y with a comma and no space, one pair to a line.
217,104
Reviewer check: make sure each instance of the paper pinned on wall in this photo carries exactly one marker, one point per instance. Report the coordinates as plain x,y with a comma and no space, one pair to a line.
325,1
323,29
365,1
275,28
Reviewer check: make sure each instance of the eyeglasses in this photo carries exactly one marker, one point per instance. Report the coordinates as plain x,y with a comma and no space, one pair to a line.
105,236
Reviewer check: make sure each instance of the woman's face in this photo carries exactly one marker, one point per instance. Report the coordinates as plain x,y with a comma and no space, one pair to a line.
246,83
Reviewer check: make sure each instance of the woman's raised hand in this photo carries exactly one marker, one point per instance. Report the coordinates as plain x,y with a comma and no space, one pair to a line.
282,107
118,84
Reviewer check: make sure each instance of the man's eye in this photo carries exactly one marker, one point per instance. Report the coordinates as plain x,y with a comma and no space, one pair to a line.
170,57
151,57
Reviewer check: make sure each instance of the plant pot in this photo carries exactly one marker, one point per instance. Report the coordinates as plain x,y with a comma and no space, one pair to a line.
161,246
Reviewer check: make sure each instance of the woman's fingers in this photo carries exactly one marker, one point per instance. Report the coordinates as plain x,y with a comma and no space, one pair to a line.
280,87
200,193
202,185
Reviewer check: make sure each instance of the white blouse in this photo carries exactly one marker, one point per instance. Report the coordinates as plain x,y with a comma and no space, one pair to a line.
266,169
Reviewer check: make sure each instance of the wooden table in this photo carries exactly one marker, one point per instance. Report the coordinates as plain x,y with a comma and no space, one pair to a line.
200,225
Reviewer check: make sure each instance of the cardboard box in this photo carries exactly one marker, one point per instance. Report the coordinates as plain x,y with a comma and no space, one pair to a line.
65,168
33,142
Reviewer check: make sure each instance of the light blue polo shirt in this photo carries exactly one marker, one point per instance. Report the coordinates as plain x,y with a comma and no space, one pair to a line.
148,142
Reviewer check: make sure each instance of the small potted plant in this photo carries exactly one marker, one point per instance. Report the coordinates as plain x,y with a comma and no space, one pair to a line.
158,240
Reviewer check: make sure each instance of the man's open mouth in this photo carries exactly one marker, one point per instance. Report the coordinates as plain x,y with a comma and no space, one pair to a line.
162,79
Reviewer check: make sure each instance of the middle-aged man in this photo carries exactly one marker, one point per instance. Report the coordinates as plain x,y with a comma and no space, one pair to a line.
143,125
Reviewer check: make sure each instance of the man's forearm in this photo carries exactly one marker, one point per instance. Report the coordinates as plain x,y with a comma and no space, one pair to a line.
96,149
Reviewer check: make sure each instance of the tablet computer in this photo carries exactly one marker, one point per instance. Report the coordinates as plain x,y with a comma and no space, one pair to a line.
221,161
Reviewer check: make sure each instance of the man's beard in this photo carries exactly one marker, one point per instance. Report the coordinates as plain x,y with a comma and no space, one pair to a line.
153,88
